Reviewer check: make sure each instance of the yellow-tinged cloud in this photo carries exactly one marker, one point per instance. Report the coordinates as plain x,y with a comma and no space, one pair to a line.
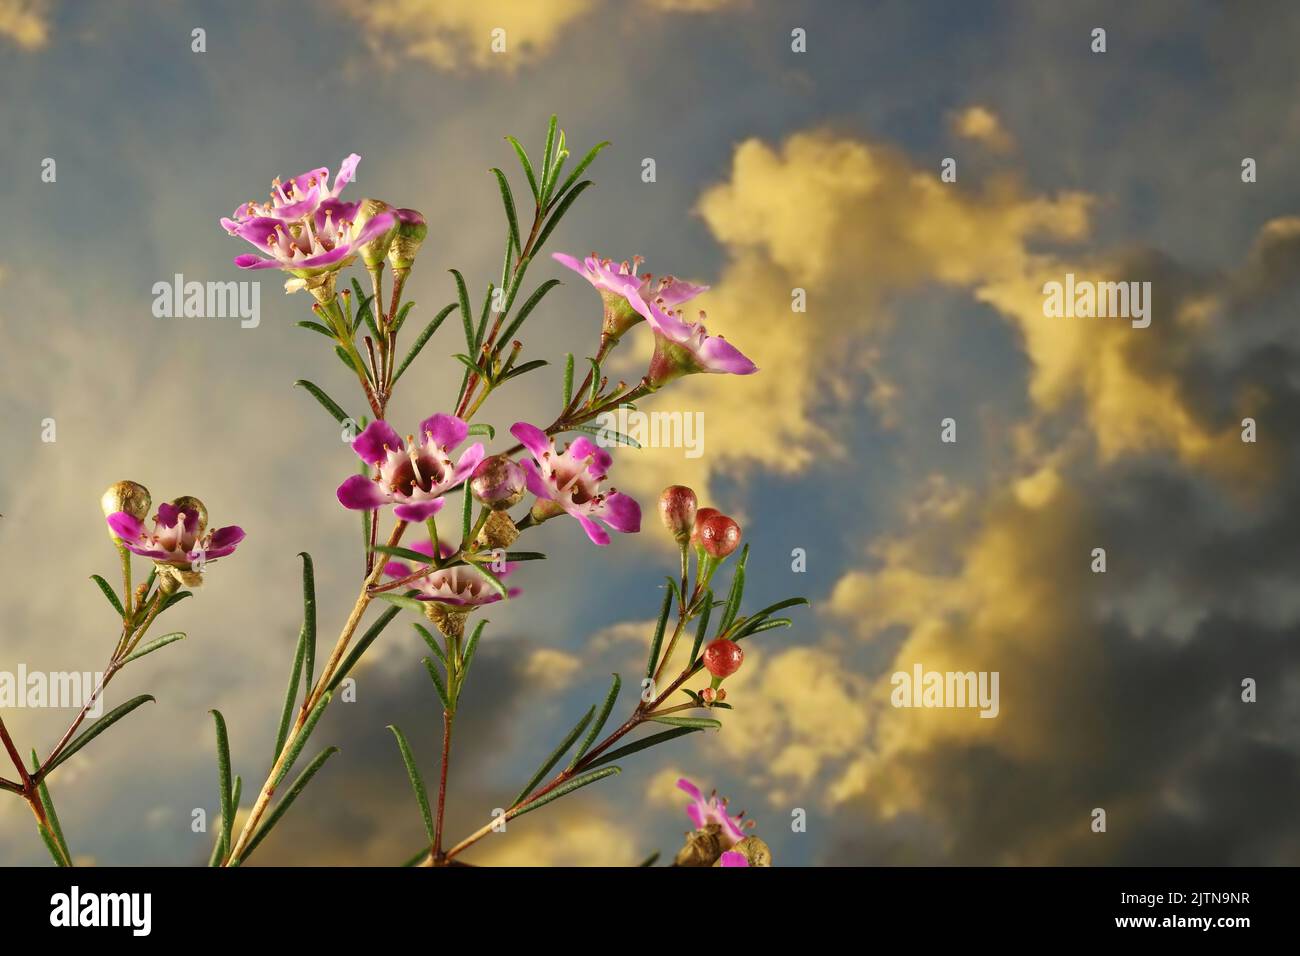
697,6
568,837
840,222
26,22
982,125
448,34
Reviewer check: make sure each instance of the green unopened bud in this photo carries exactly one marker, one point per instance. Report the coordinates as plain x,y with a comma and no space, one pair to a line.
374,251
411,230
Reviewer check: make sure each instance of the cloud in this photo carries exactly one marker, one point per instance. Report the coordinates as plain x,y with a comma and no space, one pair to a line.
850,222
982,125
450,34
26,22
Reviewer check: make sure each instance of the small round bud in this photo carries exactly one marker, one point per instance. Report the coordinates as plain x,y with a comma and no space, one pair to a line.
677,507
498,483
191,505
708,695
411,230
374,251
718,536
128,496
722,658
701,516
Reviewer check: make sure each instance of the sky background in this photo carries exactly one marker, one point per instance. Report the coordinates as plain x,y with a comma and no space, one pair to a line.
775,170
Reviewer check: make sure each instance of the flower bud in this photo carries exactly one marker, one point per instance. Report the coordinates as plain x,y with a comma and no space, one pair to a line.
192,505
498,483
718,535
701,516
411,230
374,251
128,496
677,509
722,658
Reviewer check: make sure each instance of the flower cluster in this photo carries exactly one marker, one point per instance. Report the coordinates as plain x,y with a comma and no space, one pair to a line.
179,543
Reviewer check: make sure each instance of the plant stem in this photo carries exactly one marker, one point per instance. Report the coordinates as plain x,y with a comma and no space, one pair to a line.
340,648
448,716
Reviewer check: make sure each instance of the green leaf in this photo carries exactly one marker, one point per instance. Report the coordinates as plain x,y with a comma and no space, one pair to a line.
432,641
526,309
368,638
470,647
521,369
575,784
316,327
223,776
546,153
400,319
110,594
595,381
606,435
365,310
471,366
355,366
307,634
555,756
51,816
299,784
525,556
528,167
481,329
466,314
439,684
568,378
416,859
702,627
326,402
175,598
422,340
482,428
98,727
421,560
466,514
643,744
561,154
599,723
51,844
402,601
698,723
508,200
152,646
300,741
735,594
290,695
757,627
779,606
660,626
560,210
581,167
417,784
651,860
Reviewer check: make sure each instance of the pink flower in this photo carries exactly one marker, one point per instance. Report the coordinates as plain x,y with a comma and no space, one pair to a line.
461,586
570,482
177,538
732,858
704,811
305,229
626,295
414,474
684,348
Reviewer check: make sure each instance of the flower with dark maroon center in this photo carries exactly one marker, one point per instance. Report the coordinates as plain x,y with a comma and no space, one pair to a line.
413,475
179,538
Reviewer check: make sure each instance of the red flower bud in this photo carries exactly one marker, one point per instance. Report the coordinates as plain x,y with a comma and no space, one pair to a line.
722,658
677,509
701,516
718,535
